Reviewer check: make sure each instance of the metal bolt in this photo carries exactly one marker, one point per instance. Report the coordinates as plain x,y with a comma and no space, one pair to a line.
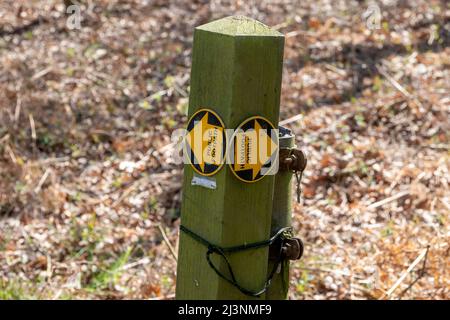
293,249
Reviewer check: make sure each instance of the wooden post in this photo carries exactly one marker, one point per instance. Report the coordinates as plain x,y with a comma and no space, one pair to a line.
281,217
236,72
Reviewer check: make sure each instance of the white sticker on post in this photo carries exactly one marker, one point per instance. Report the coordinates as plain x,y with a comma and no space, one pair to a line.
206,182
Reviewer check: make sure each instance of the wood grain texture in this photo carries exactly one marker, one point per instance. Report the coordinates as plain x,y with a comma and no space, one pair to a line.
236,71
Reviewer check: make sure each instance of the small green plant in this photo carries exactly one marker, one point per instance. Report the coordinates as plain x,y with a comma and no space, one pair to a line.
14,290
110,275
28,35
20,186
117,183
302,283
377,83
388,230
166,281
70,52
144,104
169,81
360,120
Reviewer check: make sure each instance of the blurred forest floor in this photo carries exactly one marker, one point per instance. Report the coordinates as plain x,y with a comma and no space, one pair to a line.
89,197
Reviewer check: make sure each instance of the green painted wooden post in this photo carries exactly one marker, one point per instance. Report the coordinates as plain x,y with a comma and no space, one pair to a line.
236,72
281,217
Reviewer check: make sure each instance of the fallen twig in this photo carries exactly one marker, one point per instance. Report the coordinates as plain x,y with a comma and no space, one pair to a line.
405,273
387,200
445,204
398,86
136,263
41,73
291,119
394,82
53,160
296,33
33,127
11,154
166,240
421,274
17,109
4,138
42,181
346,274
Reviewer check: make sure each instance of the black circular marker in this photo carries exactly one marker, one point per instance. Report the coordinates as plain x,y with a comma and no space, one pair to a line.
244,171
205,121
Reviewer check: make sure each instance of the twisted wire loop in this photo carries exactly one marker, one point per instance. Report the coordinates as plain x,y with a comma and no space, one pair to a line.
280,235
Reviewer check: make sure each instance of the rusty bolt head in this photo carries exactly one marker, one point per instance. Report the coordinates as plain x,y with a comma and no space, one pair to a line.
293,248
300,160
292,159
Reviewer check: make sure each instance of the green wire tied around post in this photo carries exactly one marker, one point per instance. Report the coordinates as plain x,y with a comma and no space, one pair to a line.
282,234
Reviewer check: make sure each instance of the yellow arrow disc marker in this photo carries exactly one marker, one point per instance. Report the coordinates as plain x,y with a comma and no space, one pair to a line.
253,149
205,142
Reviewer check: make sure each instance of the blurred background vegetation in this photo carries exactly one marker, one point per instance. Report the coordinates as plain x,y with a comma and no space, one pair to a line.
89,196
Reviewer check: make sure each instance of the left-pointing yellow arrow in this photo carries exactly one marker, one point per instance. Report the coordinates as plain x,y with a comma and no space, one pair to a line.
206,142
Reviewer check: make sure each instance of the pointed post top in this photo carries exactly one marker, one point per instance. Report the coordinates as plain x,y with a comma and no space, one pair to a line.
239,26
